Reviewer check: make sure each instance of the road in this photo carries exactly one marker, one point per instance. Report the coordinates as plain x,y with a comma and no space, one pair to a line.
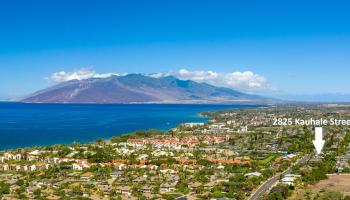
266,186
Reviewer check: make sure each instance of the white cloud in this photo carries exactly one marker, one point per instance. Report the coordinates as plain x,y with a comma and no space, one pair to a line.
80,74
246,80
157,75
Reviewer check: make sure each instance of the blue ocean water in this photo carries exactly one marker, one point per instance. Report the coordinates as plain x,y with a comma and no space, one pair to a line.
23,125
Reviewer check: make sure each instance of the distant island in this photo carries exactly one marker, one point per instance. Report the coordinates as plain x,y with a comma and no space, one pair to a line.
138,88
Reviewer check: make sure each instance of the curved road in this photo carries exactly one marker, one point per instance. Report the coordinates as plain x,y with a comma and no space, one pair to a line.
266,186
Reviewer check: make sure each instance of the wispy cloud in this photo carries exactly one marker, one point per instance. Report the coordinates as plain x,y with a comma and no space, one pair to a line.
80,74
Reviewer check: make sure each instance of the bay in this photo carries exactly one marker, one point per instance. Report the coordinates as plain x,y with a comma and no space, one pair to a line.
24,125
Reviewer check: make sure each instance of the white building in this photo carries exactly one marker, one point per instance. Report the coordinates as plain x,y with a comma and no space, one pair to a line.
243,129
192,124
253,174
81,165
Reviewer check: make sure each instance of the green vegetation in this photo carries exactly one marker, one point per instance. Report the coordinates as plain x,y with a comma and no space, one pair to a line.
4,188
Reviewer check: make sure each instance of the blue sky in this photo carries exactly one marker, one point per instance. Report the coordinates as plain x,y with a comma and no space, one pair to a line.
298,47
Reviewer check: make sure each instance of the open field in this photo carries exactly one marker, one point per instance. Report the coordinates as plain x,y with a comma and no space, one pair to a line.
339,183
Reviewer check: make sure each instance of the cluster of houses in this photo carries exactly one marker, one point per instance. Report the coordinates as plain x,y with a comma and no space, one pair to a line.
164,142
32,166
34,160
23,167
175,142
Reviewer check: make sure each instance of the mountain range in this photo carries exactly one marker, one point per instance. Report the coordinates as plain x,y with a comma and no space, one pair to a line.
138,88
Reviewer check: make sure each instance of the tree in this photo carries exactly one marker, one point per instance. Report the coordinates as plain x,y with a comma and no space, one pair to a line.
182,186
4,188
101,156
275,196
217,194
279,192
347,198
63,152
333,195
19,192
37,193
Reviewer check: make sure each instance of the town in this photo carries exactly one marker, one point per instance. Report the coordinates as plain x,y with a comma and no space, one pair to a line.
236,154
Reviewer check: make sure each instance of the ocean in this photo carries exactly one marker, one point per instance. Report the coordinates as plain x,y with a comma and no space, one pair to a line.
25,125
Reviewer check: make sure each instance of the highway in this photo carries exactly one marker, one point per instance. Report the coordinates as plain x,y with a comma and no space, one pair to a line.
267,185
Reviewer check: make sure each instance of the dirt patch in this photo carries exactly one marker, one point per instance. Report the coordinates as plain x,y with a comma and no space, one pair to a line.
339,183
